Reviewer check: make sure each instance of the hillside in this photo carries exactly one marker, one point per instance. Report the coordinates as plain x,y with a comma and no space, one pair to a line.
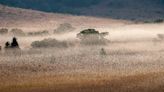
119,9
16,17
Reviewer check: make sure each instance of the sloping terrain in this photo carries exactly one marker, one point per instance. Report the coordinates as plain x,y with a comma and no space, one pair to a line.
16,17
120,9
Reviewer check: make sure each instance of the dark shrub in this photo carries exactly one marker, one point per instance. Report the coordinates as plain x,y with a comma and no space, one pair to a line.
14,43
3,31
17,32
50,43
66,27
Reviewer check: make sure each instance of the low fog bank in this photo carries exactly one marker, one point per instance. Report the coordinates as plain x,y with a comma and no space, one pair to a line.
121,33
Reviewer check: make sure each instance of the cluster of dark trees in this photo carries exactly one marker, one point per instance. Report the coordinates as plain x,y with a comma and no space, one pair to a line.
13,45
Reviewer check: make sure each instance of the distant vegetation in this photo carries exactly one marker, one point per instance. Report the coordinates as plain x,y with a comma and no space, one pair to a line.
159,21
65,27
20,32
155,21
17,32
50,43
39,33
92,37
87,37
3,31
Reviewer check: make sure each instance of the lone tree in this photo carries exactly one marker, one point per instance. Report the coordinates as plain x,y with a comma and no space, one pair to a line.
91,36
14,43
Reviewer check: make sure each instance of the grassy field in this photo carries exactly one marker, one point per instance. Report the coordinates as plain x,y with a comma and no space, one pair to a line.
126,67
133,60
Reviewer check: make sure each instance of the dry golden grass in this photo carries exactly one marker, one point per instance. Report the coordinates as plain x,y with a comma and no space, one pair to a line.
151,82
127,67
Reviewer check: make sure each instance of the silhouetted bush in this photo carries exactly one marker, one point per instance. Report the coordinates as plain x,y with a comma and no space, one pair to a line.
14,43
39,33
17,32
50,43
92,37
66,27
3,31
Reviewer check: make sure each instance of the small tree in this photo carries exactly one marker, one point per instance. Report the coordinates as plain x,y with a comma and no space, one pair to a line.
14,43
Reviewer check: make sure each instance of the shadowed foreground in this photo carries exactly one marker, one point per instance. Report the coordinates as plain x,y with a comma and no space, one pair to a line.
152,82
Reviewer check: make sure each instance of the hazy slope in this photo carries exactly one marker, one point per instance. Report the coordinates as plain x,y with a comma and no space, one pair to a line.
16,17
121,9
